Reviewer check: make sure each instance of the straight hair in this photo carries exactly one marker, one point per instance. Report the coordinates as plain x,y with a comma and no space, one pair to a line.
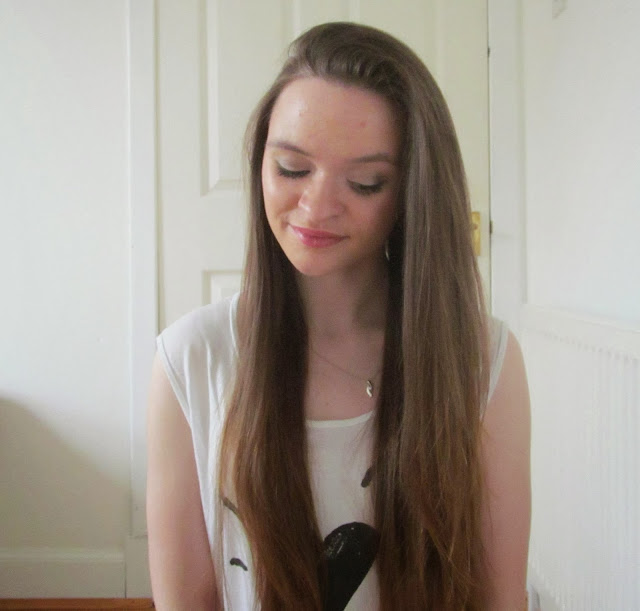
427,485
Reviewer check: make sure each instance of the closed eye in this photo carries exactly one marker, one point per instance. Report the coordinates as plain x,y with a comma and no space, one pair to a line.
362,189
291,173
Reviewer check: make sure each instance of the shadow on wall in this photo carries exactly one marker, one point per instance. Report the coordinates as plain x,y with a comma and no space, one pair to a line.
52,495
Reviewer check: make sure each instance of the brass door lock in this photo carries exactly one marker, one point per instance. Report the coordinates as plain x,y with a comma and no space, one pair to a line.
476,233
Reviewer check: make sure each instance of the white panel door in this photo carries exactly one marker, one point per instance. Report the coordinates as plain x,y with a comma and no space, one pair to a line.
215,59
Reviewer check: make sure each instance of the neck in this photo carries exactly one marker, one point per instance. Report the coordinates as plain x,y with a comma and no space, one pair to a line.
346,302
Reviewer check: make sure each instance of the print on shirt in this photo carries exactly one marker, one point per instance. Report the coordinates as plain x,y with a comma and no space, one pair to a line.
238,562
350,550
368,476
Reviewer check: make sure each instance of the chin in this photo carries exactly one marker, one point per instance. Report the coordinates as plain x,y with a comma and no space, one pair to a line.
310,270
310,264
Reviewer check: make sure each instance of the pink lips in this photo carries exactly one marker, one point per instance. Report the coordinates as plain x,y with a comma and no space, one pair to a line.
315,238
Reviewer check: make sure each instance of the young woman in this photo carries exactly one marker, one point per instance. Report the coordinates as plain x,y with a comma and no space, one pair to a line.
351,431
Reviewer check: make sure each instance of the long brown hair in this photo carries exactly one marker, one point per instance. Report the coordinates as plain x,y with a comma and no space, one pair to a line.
426,475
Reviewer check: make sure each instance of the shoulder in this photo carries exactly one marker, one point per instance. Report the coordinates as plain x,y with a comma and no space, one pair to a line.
213,323
508,396
506,444
208,330
506,427
508,376
498,340
198,347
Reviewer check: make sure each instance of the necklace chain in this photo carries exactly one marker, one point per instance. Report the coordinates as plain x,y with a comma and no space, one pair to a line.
369,381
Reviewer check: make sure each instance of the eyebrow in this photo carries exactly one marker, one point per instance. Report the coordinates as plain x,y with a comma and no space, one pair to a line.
287,146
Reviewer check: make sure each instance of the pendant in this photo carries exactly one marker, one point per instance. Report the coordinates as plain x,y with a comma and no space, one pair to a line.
370,388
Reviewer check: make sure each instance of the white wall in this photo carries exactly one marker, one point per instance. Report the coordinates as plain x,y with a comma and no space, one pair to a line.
64,313
580,107
582,156
565,204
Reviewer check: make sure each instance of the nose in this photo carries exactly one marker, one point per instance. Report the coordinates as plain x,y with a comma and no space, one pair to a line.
320,199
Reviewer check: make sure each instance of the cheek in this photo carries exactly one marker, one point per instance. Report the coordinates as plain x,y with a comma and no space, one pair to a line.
268,193
279,194
266,185
277,203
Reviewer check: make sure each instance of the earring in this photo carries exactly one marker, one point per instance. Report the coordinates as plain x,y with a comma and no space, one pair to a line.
386,250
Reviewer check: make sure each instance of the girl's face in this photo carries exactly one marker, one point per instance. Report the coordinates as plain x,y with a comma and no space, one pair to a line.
330,175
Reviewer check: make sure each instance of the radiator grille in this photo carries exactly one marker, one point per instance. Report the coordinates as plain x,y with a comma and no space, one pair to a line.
585,402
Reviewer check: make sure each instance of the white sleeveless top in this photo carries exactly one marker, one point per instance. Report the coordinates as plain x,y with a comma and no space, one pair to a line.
198,352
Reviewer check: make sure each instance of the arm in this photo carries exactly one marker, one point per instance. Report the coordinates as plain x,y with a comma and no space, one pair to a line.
507,504
182,575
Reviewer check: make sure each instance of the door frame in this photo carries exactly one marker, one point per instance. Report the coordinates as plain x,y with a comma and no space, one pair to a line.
506,151
143,272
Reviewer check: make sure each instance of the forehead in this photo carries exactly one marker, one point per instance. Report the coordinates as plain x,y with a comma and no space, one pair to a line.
325,117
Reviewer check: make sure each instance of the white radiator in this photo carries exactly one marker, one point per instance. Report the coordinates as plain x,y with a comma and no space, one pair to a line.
584,378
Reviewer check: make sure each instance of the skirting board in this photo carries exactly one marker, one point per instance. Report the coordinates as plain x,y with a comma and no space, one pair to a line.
138,580
62,573
75,604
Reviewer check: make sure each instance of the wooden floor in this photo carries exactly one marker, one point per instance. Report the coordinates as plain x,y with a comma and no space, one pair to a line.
75,604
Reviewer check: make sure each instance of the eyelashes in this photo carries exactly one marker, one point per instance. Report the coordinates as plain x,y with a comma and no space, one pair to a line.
291,173
356,187
366,189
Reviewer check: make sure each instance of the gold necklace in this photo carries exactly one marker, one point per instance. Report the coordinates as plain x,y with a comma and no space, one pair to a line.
369,381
